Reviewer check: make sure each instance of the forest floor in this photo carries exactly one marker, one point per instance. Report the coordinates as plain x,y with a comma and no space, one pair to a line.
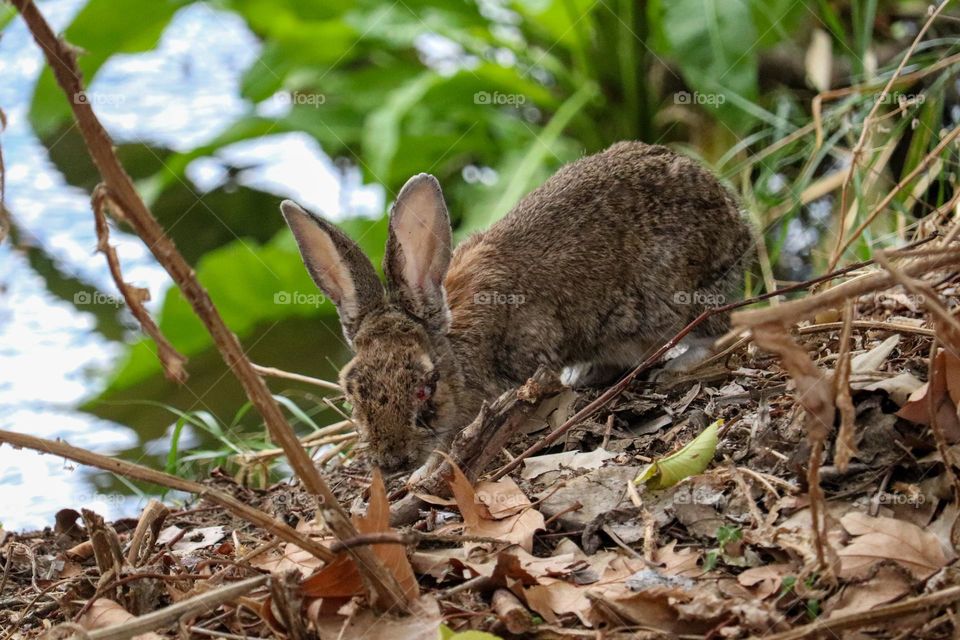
567,545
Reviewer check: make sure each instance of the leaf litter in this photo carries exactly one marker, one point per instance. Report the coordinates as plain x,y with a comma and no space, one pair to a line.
569,545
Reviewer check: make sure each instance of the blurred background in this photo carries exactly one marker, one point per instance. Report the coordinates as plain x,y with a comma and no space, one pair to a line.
219,109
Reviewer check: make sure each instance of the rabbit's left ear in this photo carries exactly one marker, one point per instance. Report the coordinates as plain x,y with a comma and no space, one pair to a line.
418,251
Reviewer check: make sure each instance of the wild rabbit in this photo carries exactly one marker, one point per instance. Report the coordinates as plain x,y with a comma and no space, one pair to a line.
591,271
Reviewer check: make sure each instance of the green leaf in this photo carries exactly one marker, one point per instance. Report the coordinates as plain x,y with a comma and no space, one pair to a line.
715,43
249,285
690,460
521,179
446,633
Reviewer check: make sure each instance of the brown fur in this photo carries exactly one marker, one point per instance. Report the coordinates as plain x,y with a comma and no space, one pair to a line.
594,269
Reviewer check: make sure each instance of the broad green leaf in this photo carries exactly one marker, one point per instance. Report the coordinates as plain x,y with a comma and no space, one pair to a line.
692,459
521,179
446,633
250,285
715,43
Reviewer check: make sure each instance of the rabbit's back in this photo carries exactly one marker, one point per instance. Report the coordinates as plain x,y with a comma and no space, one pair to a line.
624,246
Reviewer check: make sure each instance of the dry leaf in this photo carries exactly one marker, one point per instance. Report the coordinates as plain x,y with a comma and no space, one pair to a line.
872,360
370,625
106,613
393,556
945,387
677,563
539,465
340,578
764,581
888,585
518,519
900,386
880,539
195,540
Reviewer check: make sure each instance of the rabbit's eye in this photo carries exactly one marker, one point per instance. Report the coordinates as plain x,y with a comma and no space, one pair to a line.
423,393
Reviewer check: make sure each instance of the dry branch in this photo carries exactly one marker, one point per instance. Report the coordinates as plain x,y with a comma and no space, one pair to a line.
802,309
169,615
862,140
173,362
145,474
386,592
861,619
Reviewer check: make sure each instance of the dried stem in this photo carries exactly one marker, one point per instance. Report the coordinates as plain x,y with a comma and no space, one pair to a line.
387,593
828,627
888,198
867,124
846,447
173,362
130,470
287,375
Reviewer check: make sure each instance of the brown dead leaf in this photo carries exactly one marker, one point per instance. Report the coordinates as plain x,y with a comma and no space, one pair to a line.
945,388
293,557
888,585
677,563
106,613
764,581
370,625
496,510
393,556
878,539
558,596
340,578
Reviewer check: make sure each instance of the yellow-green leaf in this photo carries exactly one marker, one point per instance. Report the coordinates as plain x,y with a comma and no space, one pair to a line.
688,461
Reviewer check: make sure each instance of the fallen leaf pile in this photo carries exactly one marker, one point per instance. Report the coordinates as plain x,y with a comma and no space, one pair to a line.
682,509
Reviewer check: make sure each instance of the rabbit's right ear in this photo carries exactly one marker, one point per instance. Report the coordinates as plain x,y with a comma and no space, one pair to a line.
338,266
419,250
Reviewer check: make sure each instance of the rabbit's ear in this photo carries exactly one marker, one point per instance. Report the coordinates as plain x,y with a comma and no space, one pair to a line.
338,266
418,251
